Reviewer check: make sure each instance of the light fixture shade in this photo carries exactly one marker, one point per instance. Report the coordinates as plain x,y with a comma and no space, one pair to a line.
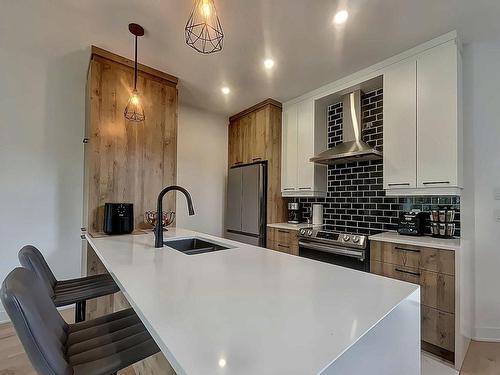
203,29
133,110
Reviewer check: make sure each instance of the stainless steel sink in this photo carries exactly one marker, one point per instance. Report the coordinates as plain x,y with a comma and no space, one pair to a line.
193,246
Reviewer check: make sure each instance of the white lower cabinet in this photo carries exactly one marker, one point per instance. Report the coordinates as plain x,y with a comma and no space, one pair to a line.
422,124
302,139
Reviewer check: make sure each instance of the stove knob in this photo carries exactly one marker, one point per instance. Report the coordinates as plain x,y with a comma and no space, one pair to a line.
355,239
302,232
346,237
309,232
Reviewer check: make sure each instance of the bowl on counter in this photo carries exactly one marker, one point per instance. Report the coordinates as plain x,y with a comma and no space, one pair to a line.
168,218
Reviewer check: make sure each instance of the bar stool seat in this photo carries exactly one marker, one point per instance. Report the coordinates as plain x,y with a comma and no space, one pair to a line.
67,292
96,347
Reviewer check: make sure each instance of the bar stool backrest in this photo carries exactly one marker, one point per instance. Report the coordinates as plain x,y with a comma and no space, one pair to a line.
31,258
40,327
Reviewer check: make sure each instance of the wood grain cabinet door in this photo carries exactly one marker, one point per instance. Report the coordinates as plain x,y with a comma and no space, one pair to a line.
437,289
235,140
438,328
259,135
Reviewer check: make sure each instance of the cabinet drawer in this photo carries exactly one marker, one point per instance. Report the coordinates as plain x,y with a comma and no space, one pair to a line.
284,236
290,248
430,259
438,328
437,289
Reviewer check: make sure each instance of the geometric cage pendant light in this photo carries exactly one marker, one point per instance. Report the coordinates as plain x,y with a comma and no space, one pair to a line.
203,30
134,110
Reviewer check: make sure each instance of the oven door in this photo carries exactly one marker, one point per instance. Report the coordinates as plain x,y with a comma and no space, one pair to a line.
340,256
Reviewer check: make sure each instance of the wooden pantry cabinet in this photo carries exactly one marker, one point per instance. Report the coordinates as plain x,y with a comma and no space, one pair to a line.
254,135
432,269
422,123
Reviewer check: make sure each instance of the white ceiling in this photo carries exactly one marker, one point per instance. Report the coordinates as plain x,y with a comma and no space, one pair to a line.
298,34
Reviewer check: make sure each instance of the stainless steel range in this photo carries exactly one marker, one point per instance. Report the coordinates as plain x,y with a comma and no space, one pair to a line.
342,249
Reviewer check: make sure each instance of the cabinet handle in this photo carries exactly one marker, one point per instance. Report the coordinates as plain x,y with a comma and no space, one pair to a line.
408,272
435,182
283,246
238,162
255,159
289,189
399,184
283,231
402,248
305,188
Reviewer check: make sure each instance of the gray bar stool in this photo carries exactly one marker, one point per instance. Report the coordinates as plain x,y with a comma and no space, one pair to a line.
67,292
95,347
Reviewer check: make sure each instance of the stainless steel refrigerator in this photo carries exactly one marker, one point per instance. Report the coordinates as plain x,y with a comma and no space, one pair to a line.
246,204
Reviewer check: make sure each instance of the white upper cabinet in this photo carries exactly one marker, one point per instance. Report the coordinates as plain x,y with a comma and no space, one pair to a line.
289,150
437,114
400,126
302,139
305,145
422,125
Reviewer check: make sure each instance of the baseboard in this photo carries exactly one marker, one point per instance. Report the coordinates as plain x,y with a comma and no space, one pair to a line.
487,334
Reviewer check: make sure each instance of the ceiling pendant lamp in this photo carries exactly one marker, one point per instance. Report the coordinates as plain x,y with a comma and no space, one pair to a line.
203,29
134,111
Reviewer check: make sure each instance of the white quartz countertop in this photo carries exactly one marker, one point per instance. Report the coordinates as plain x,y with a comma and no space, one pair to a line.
291,226
246,310
426,241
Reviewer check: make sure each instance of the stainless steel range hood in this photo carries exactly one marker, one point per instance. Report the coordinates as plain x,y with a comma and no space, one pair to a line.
352,148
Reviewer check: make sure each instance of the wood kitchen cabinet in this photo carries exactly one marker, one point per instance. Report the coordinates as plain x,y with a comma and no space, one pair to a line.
434,270
254,135
283,240
303,139
422,123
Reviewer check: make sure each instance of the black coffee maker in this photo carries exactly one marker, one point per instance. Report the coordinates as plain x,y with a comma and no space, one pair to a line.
294,213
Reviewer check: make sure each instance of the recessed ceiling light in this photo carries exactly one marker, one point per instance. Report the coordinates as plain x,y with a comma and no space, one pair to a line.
225,90
340,17
268,63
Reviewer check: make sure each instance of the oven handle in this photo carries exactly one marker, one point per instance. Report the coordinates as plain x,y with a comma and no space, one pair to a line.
334,250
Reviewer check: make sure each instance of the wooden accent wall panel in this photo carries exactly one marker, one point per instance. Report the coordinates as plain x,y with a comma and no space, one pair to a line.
127,161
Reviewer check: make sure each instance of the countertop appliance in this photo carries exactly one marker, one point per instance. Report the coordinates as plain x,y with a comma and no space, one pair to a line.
412,223
294,213
342,249
118,218
246,204
352,148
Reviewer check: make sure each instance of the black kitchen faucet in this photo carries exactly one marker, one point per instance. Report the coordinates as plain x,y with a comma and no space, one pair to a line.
159,211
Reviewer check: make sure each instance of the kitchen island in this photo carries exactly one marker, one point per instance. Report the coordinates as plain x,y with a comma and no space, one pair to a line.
249,310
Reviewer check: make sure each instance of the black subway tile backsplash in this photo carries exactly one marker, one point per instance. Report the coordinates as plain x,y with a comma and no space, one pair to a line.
356,201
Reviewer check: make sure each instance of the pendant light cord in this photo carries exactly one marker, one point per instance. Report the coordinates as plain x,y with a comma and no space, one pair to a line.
135,65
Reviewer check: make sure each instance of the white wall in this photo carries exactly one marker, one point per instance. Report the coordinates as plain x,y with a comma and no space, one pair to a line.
41,154
202,169
482,111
